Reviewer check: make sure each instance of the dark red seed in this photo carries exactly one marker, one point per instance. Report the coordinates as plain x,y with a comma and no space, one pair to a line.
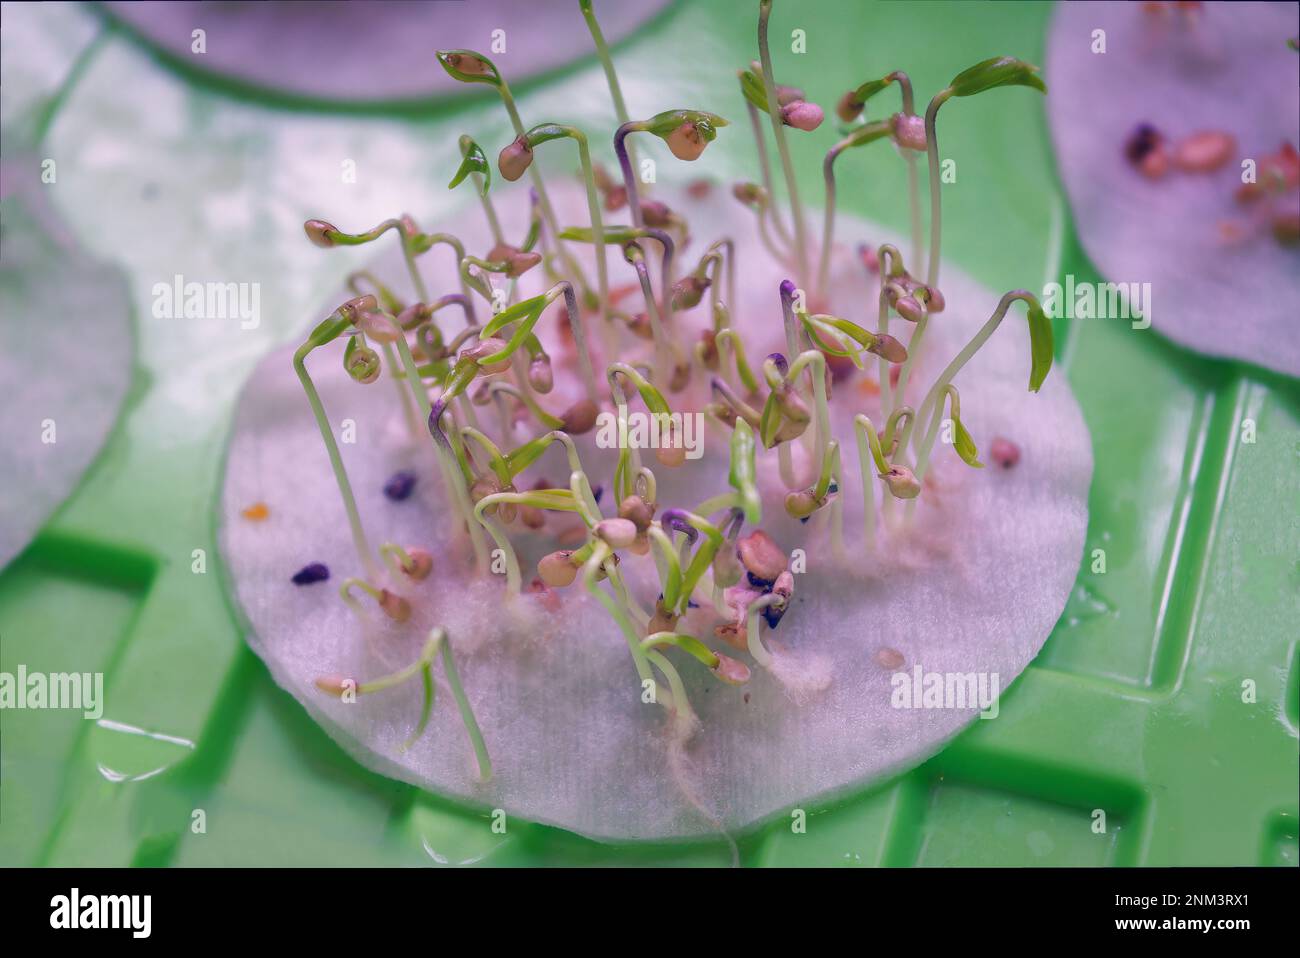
315,572
1141,141
399,485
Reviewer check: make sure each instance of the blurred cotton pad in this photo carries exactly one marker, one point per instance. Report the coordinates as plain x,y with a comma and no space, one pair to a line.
1220,283
65,356
975,588
379,50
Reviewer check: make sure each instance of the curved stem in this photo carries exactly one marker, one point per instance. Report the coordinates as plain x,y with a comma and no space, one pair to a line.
679,705
932,159
914,346
960,360
496,461
543,200
815,362
499,536
753,628
451,473
868,447
457,248
765,169
625,165
501,388
607,64
403,395
663,359
671,573
598,230
778,134
599,556
744,373
359,540
828,215
462,703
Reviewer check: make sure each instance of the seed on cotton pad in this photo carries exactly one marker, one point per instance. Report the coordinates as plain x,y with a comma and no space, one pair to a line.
551,661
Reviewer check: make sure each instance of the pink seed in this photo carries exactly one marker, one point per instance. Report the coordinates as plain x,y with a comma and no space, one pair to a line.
1205,151
888,658
1154,165
1004,452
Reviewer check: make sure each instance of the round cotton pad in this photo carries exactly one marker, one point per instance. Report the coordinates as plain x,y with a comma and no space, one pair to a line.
65,356
1219,284
973,590
377,51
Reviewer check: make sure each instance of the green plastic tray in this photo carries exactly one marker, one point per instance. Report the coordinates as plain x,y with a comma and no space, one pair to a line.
1135,706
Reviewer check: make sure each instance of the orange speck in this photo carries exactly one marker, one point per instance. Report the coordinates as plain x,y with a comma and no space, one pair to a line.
869,387
256,512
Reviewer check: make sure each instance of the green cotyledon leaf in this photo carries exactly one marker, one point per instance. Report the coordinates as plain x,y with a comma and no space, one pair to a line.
1040,346
996,72
475,161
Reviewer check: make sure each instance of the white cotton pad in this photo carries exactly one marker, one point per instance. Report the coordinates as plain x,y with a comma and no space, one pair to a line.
1226,68
65,356
976,587
379,50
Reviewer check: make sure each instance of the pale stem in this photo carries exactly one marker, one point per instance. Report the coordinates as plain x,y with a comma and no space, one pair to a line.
729,339
663,361
336,463
914,200
828,215
403,395
766,171
462,703
598,231
932,159
679,704
932,398
914,346
781,257
607,64
499,536
815,362
863,429
598,558
451,473
625,165
882,329
489,211
778,134
753,626
543,200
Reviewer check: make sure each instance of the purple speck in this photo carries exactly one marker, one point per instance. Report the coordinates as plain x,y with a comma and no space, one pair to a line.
597,493
399,485
1144,139
315,572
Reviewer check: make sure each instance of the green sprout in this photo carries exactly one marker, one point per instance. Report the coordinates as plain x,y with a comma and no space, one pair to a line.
778,134
687,133
468,66
516,157
985,75
1040,347
437,644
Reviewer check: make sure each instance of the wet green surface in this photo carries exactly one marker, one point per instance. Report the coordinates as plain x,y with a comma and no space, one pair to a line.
1166,697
